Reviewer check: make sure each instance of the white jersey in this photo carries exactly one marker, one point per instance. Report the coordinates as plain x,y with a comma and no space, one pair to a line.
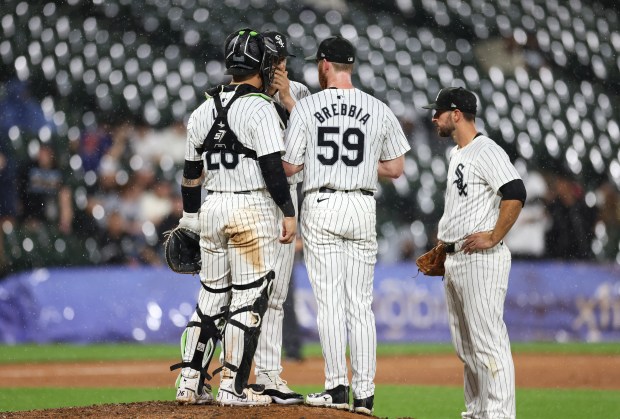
339,135
262,132
475,174
298,92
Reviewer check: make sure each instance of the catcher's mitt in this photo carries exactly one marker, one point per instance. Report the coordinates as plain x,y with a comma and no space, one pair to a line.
182,249
431,262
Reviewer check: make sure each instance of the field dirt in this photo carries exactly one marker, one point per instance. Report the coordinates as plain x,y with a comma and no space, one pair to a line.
533,371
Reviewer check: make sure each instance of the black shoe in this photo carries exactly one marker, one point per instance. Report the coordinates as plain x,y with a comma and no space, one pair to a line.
364,406
337,397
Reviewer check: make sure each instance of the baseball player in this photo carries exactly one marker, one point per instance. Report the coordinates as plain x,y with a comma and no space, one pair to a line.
269,351
484,197
343,138
237,135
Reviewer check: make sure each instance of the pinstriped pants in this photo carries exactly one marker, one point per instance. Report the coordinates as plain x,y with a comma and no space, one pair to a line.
476,287
340,248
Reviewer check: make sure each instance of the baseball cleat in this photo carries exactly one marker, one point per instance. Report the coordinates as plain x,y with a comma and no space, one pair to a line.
337,398
364,406
226,396
277,389
192,391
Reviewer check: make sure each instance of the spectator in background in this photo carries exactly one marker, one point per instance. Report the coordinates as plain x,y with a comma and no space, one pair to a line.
526,239
572,221
94,144
608,198
21,110
116,245
45,198
17,109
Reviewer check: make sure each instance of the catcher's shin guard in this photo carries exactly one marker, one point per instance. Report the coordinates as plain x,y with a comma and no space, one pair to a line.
251,327
202,351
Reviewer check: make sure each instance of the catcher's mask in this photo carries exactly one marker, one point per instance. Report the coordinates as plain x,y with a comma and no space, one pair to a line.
248,52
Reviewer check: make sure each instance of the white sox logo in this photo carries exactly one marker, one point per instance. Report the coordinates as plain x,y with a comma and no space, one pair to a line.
459,181
220,132
279,41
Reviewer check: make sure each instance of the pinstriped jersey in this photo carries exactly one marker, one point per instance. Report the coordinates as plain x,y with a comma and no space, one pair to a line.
339,135
475,174
298,92
255,121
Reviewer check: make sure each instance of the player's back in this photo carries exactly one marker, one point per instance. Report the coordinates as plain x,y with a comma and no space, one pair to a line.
346,132
254,120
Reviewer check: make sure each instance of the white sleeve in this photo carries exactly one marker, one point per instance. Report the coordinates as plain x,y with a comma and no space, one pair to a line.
265,130
296,138
495,167
190,144
395,144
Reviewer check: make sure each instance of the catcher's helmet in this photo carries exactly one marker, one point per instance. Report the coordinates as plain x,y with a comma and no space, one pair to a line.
248,52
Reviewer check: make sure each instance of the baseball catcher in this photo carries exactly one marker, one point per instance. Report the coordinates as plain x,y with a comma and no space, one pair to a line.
431,263
182,250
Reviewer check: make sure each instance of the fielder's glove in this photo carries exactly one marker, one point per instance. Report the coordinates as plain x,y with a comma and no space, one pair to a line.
182,250
431,263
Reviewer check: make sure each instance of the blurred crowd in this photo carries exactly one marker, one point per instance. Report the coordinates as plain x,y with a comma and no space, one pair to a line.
106,192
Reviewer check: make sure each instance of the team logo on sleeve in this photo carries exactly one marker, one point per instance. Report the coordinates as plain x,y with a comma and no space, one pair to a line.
461,186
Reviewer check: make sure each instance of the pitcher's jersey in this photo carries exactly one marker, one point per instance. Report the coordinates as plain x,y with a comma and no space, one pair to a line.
339,135
475,174
255,121
298,92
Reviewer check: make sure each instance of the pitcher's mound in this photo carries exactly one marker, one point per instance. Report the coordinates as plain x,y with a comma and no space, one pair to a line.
161,410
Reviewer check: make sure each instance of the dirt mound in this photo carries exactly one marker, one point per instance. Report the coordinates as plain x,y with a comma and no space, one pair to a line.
161,410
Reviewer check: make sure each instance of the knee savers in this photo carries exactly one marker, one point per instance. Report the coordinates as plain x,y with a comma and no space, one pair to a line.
249,320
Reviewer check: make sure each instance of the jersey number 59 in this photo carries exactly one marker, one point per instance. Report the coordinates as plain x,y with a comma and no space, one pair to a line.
352,140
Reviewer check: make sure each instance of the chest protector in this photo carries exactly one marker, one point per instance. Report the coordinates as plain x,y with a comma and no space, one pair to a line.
221,137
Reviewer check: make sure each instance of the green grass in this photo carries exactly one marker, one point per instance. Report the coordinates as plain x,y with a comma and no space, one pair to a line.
70,353
391,401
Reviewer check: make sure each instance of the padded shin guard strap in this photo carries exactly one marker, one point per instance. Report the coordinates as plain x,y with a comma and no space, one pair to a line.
210,334
250,336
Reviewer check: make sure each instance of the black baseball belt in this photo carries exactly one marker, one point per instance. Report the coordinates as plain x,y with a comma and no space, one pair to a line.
451,247
235,192
324,189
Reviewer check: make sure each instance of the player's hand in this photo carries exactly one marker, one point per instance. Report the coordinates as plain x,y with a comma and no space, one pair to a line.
478,241
289,228
281,82
190,221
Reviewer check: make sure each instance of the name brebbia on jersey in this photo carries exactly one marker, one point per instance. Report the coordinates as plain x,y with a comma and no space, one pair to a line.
344,109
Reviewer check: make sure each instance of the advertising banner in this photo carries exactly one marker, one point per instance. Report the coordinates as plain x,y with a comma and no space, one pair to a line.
546,301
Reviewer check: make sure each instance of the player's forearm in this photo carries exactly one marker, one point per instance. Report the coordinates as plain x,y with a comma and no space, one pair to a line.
392,168
190,186
287,101
277,185
509,211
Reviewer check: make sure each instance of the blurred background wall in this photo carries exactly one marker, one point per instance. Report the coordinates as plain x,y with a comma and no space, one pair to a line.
94,96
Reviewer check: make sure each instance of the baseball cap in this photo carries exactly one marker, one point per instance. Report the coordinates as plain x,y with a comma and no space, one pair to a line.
450,98
280,41
335,49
